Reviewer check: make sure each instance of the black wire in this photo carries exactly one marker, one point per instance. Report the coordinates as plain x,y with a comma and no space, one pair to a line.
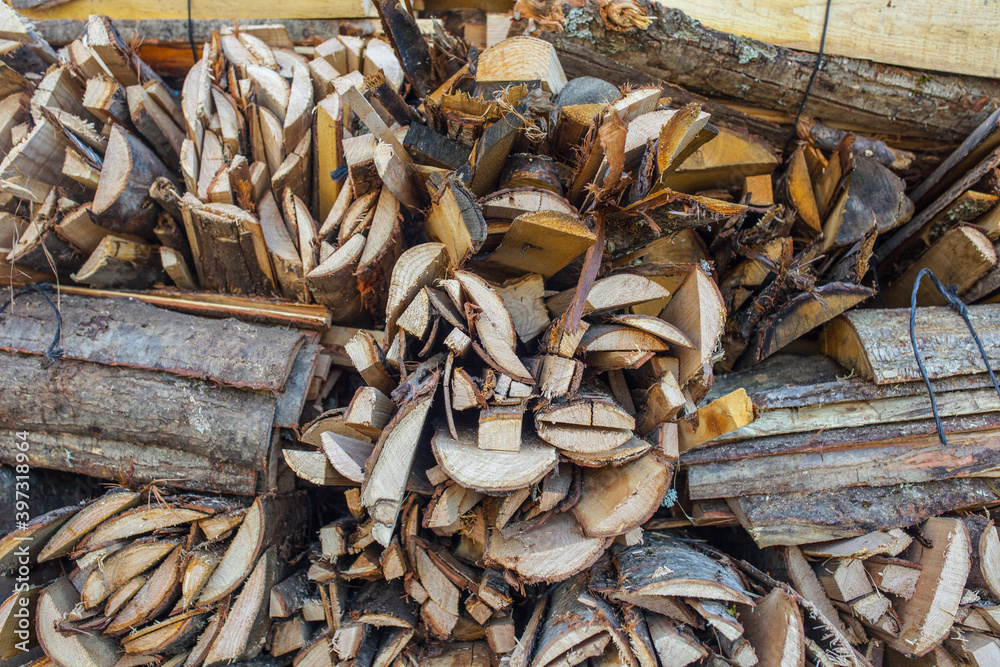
950,293
194,51
44,289
812,76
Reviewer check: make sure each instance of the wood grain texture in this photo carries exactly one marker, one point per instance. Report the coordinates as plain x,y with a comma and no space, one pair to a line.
909,33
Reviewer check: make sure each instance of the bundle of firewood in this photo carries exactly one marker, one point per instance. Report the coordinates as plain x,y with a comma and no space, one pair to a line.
181,410
140,578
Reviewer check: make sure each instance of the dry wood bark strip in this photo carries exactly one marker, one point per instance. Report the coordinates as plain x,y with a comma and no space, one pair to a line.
804,518
124,332
73,397
832,439
902,462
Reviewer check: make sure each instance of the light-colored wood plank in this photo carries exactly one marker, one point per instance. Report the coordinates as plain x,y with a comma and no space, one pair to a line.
178,9
909,33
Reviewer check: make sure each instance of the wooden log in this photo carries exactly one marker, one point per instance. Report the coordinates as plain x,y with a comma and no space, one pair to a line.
874,343
143,337
803,518
686,60
91,385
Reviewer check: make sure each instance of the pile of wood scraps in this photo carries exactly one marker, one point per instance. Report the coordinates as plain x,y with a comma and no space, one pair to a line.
132,579
481,363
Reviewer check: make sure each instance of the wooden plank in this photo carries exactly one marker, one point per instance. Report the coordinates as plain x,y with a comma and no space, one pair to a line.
178,9
905,32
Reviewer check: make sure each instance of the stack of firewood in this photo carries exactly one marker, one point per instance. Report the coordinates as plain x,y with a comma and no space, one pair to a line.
549,272
142,578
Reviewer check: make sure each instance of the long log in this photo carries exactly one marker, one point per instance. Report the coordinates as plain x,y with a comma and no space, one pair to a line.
125,332
847,92
132,463
77,397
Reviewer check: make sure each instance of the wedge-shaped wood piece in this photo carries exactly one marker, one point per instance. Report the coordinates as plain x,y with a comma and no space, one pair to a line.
612,293
522,59
166,635
727,158
455,220
588,410
523,300
664,400
893,575
314,466
617,499
201,563
123,263
667,566
649,126
347,455
123,565
369,360
723,415
333,284
494,326
160,590
674,645
389,465
926,618
889,543
657,327
799,191
82,649
122,202
489,471
511,204
612,337
875,345
631,449
575,616
697,309
242,634
542,242
382,248
961,257
417,268
868,198
140,521
369,411
803,577
269,520
36,532
551,551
